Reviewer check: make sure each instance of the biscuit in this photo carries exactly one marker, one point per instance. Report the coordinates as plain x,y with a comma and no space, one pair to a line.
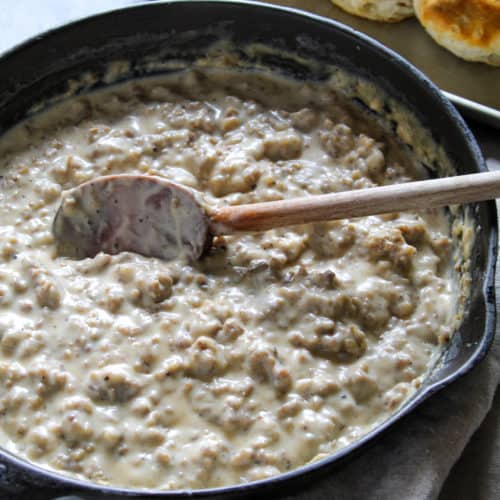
468,28
378,10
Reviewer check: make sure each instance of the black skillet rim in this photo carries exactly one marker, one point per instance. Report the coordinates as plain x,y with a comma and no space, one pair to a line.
82,486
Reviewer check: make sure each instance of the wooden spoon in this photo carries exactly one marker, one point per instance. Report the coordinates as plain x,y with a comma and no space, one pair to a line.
154,217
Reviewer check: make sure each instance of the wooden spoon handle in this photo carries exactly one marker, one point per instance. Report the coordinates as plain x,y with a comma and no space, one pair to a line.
357,203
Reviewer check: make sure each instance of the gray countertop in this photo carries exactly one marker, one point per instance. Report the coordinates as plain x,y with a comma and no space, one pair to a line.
479,462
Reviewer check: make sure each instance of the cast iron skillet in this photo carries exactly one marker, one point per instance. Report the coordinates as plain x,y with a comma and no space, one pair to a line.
39,70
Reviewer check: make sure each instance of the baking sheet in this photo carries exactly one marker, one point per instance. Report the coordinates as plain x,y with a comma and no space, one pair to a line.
476,82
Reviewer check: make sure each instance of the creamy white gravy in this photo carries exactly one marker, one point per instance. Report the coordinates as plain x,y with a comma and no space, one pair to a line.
272,351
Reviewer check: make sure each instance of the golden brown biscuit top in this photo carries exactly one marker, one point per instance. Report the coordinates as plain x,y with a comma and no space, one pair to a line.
474,21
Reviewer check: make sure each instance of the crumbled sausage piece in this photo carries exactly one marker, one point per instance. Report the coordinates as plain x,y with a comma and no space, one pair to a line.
194,115
339,305
266,367
283,146
291,407
171,366
11,338
239,387
94,266
14,399
112,384
413,232
402,305
325,279
331,239
111,437
42,441
76,427
395,396
442,247
390,245
141,407
47,379
235,176
231,416
323,386
377,299
201,325
147,437
47,293
152,291
18,283
338,141
163,457
205,358
375,163
316,426
11,373
362,386
345,342
242,458
165,416
112,298
5,295
266,428
257,473
125,273
373,310
48,190
290,244
208,455
304,120
79,403
230,331
230,123
160,288
422,330
126,326
147,357
233,420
